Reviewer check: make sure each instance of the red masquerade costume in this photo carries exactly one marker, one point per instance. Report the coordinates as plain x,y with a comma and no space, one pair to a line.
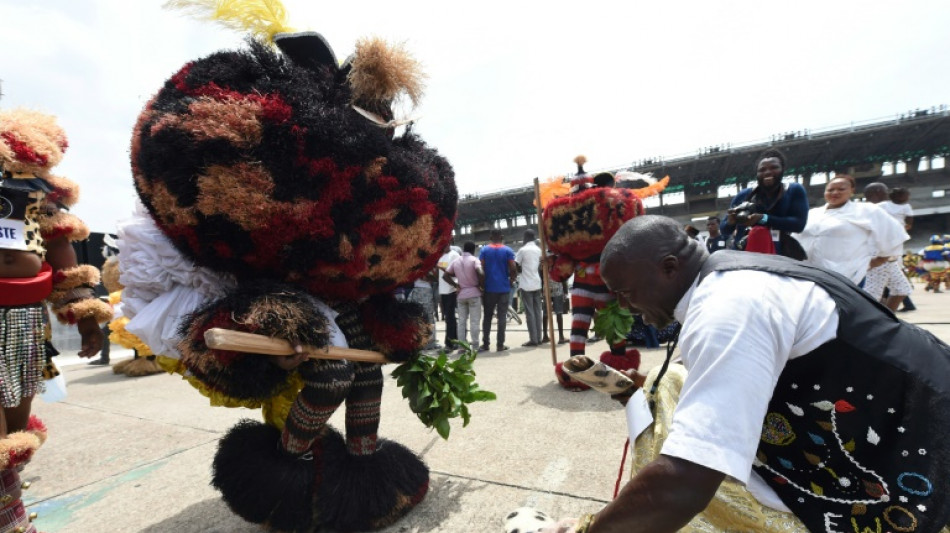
577,227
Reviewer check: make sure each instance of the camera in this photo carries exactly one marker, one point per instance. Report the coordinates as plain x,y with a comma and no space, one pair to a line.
743,211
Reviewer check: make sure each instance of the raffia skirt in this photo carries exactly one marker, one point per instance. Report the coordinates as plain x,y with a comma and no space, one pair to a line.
22,353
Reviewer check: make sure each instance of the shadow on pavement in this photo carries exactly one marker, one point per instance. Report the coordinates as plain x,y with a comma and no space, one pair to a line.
208,516
214,516
97,375
556,397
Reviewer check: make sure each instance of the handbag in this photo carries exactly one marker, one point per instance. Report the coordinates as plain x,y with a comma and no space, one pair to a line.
791,247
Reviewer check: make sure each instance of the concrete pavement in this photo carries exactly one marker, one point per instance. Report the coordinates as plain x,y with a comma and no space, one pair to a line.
134,454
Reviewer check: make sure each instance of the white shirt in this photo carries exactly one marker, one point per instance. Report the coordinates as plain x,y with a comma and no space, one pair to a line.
529,257
845,239
444,286
899,211
739,330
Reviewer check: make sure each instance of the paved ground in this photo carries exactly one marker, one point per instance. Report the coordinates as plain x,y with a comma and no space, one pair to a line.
134,454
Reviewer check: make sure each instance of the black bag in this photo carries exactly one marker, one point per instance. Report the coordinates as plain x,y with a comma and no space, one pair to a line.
791,247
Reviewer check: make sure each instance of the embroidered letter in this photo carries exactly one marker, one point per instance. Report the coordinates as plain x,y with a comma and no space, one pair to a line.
877,524
829,524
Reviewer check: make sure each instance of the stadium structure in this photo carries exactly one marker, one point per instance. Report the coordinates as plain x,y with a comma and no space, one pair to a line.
909,150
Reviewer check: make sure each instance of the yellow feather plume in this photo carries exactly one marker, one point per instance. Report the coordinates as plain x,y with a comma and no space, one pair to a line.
261,18
553,188
652,189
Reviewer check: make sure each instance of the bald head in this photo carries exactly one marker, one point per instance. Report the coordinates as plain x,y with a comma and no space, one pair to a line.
875,192
650,263
650,238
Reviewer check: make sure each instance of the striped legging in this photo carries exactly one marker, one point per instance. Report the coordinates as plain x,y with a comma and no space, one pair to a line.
588,294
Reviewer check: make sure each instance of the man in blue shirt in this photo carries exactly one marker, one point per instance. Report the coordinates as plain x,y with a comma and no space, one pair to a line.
716,241
498,262
779,209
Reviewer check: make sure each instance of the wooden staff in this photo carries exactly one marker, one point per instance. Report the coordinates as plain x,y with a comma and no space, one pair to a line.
544,278
241,341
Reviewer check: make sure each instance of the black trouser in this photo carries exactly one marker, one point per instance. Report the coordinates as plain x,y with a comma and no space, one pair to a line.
104,354
449,303
495,304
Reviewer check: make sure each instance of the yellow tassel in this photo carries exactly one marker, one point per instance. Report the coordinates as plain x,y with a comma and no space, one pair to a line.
261,18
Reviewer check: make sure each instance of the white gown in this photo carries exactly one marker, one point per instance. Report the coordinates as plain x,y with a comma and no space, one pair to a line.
844,240
162,286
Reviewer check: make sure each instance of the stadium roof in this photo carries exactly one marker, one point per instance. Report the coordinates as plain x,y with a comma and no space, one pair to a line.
907,138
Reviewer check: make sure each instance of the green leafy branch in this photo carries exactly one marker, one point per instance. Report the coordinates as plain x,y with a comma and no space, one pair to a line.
613,322
439,388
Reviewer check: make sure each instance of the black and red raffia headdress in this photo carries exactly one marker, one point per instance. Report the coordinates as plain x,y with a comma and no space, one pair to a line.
278,162
579,221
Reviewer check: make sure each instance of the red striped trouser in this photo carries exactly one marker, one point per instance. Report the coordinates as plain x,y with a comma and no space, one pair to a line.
588,294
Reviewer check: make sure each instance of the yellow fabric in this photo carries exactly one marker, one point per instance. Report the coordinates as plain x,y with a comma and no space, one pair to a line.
274,410
733,509
119,335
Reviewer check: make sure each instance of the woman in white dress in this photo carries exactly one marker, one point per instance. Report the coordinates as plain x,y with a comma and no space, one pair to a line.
849,237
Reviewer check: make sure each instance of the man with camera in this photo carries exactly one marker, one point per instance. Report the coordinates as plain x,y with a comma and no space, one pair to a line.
763,217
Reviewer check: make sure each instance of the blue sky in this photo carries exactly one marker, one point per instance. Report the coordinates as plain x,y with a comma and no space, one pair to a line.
515,89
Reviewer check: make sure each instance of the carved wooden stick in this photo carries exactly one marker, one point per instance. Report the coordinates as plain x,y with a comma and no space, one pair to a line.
545,281
241,341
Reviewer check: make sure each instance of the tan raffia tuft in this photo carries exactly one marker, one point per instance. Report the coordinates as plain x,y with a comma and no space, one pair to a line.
30,141
110,276
580,160
65,191
137,367
382,73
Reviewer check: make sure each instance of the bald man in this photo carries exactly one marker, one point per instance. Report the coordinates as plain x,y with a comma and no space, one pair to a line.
801,404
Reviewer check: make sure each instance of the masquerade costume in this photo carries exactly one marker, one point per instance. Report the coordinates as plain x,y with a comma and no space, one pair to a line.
577,227
935,261
32,217
270,178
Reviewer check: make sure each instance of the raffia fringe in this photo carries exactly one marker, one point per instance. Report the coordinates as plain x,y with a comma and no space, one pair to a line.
18,447
63,224
73,312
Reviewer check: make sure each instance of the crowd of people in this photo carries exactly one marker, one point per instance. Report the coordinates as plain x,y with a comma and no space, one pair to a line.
862,239
485,286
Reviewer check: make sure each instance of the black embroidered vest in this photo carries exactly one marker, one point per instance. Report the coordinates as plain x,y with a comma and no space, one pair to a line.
856,435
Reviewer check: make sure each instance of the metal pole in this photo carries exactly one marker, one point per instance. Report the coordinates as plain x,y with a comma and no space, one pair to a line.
544,278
